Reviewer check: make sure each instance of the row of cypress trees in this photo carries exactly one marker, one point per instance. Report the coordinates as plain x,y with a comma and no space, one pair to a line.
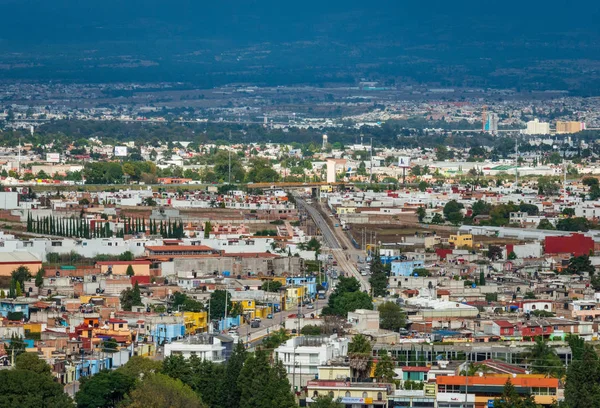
80,228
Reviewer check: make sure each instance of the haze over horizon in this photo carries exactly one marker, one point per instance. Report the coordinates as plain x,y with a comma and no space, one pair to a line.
462,43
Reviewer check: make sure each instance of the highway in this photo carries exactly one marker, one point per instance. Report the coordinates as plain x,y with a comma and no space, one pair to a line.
344,253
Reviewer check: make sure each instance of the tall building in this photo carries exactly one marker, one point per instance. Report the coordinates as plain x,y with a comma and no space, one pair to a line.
535,127
569,127
491,123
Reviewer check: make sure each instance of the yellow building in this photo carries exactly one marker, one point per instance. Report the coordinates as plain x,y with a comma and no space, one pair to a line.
569,127
195,322
345,210
332,382
248,306
461,240
293,296
326,189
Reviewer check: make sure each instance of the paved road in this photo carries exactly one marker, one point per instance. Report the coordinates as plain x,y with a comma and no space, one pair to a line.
337,240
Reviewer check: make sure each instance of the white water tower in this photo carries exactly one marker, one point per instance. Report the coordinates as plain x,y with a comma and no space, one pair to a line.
324,142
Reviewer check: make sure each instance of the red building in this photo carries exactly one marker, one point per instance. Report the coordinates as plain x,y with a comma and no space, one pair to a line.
576,245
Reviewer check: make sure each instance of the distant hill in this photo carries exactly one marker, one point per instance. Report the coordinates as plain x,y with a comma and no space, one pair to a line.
461,43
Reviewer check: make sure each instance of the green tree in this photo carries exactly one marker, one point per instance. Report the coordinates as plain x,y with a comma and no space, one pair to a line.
574,224
568,212
231,392
421,213
391,316
131,297
347,297
28,389
437,219
207,229
217,304
544,360
20,275
257,374
271,286
31,362
325,401
580,264
359,353
129,272
138,367
18,290
545,224
378,279
183,302
159,391
39,277
512,256
311,330
583,376
384,369
104,389
511,399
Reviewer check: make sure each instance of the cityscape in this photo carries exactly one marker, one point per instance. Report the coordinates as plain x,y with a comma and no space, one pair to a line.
325,207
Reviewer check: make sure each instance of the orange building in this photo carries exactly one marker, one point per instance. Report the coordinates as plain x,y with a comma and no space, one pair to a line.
490,386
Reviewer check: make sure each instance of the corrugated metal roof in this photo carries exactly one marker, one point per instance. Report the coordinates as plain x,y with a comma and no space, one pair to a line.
18,256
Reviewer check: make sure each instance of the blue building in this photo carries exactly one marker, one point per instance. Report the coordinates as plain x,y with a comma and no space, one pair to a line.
405,268
14,306
310,282
167,332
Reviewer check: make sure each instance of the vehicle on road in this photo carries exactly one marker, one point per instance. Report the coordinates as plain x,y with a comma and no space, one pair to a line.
255,324
269,316
321,294
311,306
257,319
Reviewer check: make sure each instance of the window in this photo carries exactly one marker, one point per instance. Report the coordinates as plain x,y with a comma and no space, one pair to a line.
365,394
347,394
56,243
331,394
379,396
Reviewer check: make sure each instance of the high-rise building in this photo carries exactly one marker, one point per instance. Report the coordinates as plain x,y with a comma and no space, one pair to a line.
569,127
535,127
491,123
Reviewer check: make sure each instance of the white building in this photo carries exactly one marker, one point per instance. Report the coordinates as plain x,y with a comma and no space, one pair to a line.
535,127
303,355
204,346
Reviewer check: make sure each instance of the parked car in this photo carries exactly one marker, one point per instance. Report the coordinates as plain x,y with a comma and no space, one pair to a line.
310,306
269,316
254,324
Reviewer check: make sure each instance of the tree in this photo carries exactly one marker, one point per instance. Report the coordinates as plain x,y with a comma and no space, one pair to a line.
20,275
384,369
311,330
583,376
158,391
359,351
511,256
271,286
347,297
421,213
29,389
568,212
544,360
481,278
580,264
437,219
545,224
207,229
452,211
138,367
217,304
481,208
110,346
511,399
378,279
325,401
18,290
129,272
39,277
131,297
105,389
494,252
391,316
442,153
574,224
257,374
181,301
547,186
31,362
231,392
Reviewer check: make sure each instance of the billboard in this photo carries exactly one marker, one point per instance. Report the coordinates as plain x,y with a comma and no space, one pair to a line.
53,157
120,151
403,161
